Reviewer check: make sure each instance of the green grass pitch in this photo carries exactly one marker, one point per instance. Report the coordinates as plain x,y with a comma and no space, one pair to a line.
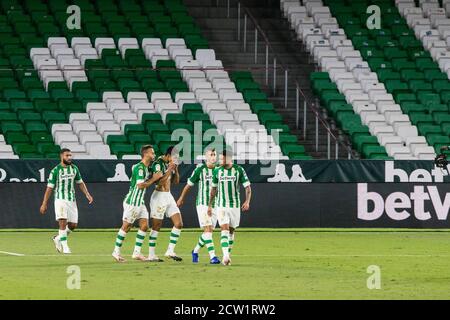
267,264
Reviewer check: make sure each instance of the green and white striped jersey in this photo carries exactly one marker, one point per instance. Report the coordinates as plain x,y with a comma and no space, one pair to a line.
135,196
159,165
227,182
62,180
203,176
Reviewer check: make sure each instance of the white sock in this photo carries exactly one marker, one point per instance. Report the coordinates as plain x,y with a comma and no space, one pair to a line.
200,243
174,236
68,231
231,242
224,241
140,236
63,238
152,243
209,244
119,240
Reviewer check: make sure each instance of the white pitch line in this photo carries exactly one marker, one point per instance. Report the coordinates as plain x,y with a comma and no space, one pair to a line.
12,253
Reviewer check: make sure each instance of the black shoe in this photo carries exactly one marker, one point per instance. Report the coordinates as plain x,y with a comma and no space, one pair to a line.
174,257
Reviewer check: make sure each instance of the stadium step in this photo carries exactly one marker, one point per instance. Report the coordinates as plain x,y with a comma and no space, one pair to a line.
222,36
361,102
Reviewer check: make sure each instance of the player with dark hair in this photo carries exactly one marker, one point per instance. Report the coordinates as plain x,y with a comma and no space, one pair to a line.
162,203
61,182
225,186
134,208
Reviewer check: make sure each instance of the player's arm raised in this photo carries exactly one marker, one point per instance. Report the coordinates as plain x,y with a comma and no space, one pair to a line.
169,171
158,175
147,183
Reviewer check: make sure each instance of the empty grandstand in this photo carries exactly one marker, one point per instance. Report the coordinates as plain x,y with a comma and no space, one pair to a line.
134,73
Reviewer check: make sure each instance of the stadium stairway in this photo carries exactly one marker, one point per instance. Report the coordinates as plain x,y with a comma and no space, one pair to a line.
372,80
221,33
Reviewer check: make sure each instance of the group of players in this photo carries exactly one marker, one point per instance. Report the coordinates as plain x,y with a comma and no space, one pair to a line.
218,202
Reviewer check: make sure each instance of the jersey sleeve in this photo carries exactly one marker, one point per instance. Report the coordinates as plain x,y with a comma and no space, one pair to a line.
243,178
139,173
195,176
78,178
156,167
215,178
51,182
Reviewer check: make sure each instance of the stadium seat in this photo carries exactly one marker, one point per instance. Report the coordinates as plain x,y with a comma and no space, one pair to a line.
382,79
124,74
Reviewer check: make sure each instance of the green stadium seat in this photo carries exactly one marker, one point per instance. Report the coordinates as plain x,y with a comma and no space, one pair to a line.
270,117
8,117
48,148
134,128
140,139
371,151
40,137
35,127
122,149
365,140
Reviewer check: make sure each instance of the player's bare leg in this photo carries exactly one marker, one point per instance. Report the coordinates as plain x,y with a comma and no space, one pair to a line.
140,236
153,237
119,240
224,241
71,226
174,236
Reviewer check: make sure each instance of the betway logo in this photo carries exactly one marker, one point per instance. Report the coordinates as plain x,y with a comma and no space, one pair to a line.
418,175
401,206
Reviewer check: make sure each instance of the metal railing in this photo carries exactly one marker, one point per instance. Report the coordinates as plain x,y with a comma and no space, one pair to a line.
300,96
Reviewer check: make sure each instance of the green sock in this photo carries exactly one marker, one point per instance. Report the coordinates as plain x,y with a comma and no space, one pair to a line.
231,242
140,236
119,240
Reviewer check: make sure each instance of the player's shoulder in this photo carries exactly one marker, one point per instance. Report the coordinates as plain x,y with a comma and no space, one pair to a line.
238,167
56,168
159,160
75,167
157,163
139,165
200,166
154,162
